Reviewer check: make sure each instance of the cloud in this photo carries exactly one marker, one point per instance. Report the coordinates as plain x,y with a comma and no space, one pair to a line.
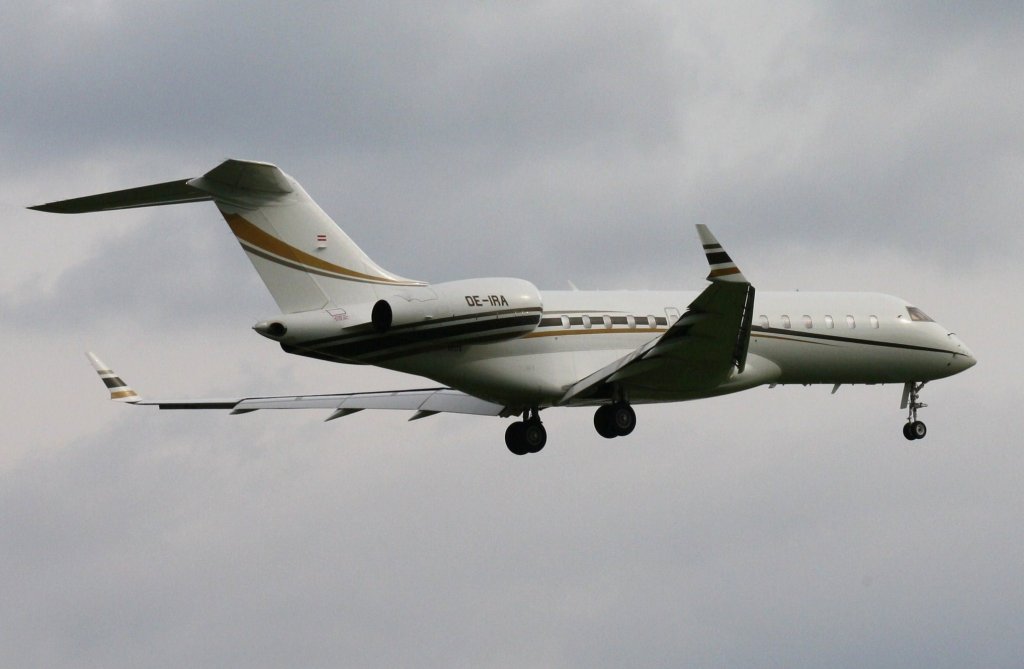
828,146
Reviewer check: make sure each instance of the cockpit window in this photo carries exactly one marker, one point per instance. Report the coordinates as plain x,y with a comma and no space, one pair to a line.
918,315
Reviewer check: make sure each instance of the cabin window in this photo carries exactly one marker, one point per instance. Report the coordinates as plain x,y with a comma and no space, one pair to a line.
918,315
607,320
873,320
851,322
808,322
763,320
565,322
586,322
829,323
786,323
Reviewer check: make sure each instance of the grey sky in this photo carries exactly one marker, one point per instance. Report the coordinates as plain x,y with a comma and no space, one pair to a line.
828,147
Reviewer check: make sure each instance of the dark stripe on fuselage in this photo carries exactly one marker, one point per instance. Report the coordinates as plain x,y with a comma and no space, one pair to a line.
420,338
492,318
796,334
419,333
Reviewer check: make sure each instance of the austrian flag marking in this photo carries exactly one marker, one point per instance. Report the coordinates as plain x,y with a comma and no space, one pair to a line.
321,241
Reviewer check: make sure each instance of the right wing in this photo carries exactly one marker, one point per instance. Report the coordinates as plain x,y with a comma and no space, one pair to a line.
425,402
700,351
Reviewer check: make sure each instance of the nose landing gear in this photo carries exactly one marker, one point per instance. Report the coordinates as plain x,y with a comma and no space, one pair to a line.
913,429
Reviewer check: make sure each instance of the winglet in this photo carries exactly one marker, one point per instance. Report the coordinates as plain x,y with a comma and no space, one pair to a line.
722,266
119,390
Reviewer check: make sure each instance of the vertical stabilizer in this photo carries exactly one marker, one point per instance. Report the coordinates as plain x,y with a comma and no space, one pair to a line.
306,261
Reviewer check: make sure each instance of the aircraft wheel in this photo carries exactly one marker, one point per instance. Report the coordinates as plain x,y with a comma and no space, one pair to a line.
623,418
534,436
907,432
603,422
918,429
515,438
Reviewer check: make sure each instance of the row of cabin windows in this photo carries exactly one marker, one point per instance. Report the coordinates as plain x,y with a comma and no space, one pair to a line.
605,321
808,322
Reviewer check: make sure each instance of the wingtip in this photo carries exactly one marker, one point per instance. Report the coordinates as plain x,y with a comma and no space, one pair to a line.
722,266
94,359
119,390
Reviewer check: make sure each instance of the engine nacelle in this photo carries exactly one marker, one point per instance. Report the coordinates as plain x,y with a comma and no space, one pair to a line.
412,319
462,312
410,307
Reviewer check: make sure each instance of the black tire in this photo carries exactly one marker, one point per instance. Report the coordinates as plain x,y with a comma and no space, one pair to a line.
907,432
603,422
515,438
534,436
623,418
918,429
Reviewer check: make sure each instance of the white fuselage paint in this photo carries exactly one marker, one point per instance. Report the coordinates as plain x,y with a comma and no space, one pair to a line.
883,345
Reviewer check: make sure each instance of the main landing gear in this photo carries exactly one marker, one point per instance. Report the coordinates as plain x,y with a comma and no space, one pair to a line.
527,435
614,420
913,429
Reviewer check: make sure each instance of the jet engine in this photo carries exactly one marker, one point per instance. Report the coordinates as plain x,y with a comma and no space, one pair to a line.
420,318
469,311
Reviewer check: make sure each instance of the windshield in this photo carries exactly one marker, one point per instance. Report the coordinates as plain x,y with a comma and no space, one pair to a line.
918,315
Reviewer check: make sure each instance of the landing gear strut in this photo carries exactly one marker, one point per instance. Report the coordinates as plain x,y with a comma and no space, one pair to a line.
913,429
614,420
527,435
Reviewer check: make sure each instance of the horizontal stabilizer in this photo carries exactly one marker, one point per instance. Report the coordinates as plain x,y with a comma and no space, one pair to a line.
245,175
170,192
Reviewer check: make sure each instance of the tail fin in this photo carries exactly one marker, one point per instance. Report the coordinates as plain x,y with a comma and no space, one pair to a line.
306,261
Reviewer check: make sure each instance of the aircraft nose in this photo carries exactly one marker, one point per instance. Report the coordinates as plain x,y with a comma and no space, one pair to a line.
963,358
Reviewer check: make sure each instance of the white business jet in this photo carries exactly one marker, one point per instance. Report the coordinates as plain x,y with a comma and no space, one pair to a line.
501,347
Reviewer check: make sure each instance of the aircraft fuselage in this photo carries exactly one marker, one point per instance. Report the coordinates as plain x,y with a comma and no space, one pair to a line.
796,338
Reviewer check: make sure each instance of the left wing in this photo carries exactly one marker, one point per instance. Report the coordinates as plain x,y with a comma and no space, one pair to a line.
425,402
701,349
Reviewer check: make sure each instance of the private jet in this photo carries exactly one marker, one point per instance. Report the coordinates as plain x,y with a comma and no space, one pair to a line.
501,347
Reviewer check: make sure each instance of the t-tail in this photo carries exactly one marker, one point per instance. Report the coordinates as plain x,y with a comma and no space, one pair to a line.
335,302
306,261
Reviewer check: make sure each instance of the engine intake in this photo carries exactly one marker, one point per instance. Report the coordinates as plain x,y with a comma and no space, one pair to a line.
382,316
